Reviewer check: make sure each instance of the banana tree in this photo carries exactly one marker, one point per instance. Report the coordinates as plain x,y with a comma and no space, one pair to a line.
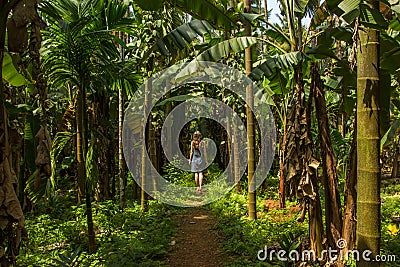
11,216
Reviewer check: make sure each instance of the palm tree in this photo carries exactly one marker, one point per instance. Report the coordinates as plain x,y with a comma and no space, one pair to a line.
368,141
250,123
79,48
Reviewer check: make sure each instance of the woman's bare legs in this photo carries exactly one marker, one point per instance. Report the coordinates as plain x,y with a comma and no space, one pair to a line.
196,178
200,180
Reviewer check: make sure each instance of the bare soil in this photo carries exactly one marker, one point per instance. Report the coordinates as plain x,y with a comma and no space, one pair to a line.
196,243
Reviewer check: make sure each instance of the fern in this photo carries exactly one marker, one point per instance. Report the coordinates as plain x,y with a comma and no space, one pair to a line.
59,143
67,260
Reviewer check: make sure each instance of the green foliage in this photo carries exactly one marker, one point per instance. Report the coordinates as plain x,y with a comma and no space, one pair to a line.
226,48
123,237
10,74
244,238
390,207
183,35
177,176
58,145
391,133
92,171
390,234
271,65
67,260
202,9
185,178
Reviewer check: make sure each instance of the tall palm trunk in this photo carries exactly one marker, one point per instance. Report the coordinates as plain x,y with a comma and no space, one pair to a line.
250,123
368,142
81,149
80,139
121,174
145,168
235,143
153,151
282,149
152,146
168,138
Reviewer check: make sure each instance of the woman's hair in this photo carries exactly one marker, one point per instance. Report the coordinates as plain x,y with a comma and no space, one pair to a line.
196,139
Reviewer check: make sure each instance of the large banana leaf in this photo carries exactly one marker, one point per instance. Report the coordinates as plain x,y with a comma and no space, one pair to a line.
391,60
349,10
391,133
268,67
279,39
303,7
180,37
372,18
346,9
206,10
225,48
200,9
321,51
10,73
390,53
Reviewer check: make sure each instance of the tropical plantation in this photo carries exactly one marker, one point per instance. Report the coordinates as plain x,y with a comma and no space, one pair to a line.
200,133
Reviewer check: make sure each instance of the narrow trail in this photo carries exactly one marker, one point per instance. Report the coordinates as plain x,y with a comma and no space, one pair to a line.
196,243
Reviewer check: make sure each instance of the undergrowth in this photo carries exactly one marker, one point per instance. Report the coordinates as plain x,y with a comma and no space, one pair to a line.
123,238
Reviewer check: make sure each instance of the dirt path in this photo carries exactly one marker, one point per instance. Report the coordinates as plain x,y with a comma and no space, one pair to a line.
196,243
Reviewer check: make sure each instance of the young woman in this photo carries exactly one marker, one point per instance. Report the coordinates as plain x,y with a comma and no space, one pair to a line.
197,159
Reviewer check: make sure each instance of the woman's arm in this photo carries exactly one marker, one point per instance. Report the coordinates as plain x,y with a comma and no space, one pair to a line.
203,145
191,152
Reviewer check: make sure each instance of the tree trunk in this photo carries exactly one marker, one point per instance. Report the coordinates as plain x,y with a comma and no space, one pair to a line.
333,209
250,123
315,227
121,166
168,138
368,143
121,173
12,234
303,115
81,150
281,168
349,221
152,146
80,156
238,186
90,224
153,151
111,163
396,161
145,168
